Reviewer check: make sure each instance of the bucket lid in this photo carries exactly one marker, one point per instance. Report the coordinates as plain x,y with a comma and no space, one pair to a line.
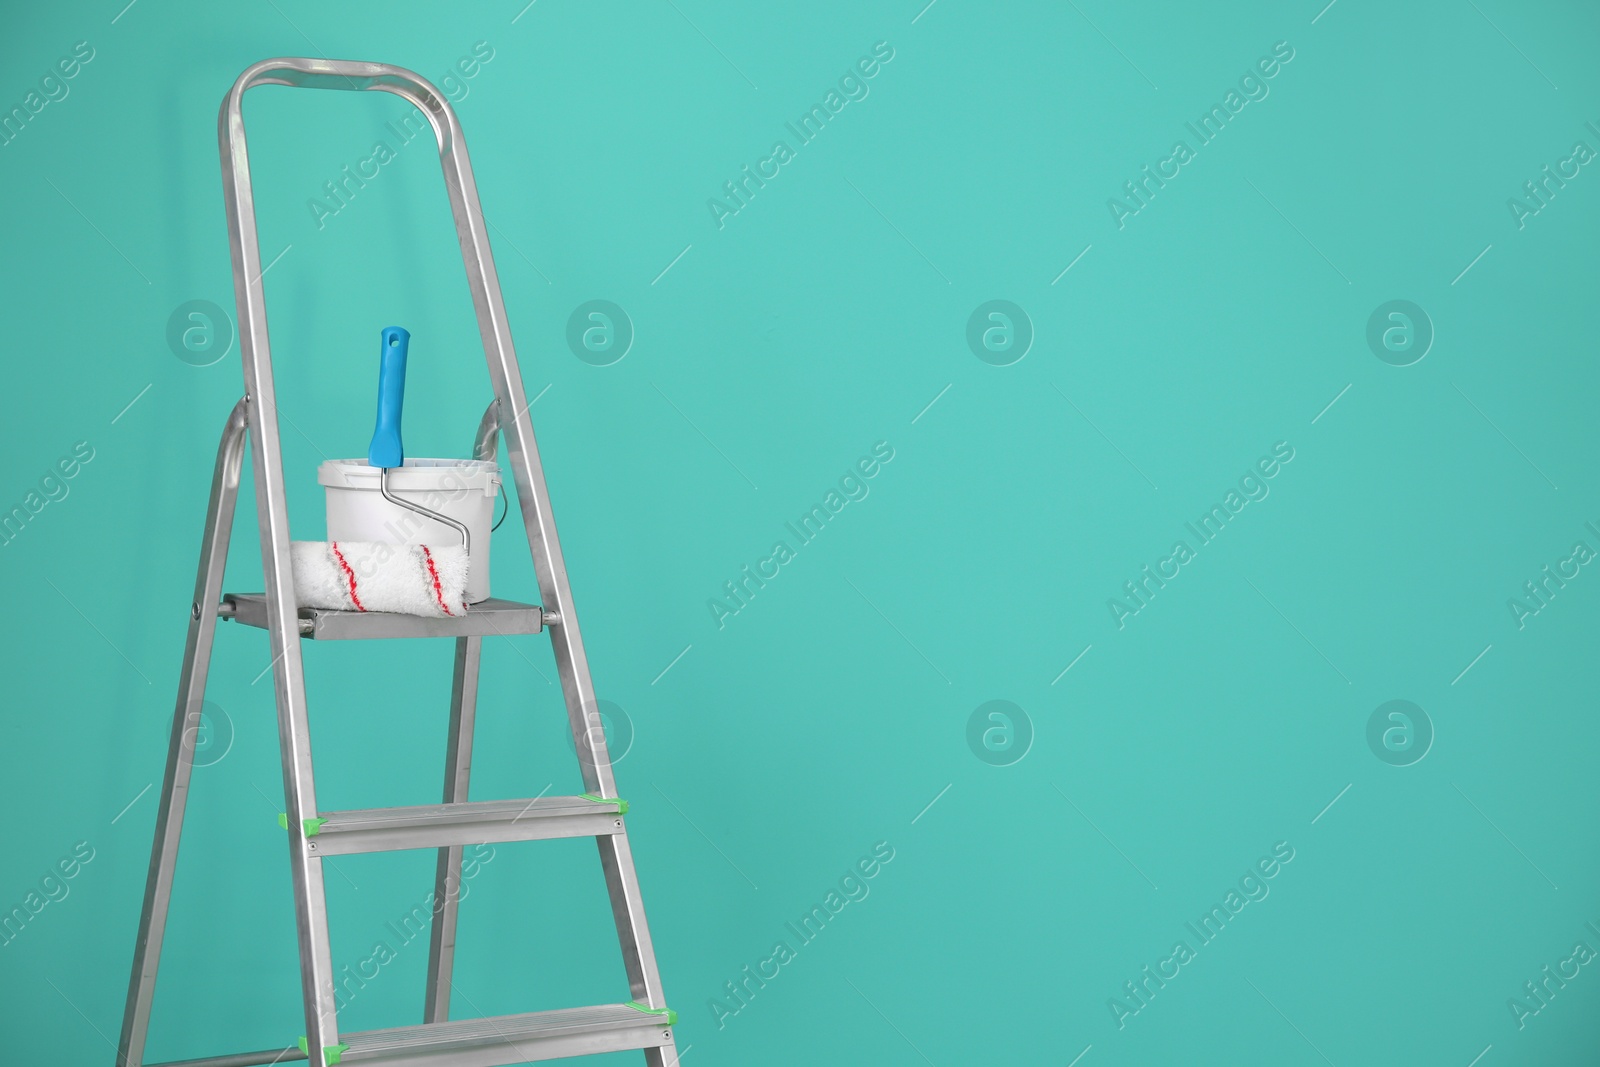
417,475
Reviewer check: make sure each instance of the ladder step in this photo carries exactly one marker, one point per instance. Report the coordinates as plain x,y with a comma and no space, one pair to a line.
494,1042
438,825
240,1059
487,618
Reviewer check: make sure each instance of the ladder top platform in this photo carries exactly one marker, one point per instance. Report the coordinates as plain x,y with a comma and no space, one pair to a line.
486,618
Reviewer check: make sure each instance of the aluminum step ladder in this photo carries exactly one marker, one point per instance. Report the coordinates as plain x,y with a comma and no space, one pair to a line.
642,1022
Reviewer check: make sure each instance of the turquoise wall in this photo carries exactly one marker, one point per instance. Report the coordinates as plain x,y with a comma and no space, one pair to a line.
1388,481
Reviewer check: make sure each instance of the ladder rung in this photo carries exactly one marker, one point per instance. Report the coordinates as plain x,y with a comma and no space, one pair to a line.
240,1059
487,618
543,1035
438,825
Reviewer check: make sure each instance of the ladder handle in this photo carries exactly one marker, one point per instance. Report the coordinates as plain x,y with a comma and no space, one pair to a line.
343,74
351,75
239,199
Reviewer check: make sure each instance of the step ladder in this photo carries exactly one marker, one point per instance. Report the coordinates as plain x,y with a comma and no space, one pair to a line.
642,1022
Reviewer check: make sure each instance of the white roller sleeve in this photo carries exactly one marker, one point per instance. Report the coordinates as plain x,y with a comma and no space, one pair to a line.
372,576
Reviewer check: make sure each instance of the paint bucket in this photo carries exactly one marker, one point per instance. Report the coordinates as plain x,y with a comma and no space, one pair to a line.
464,489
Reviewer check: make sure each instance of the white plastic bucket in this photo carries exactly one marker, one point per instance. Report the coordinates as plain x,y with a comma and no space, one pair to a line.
464,489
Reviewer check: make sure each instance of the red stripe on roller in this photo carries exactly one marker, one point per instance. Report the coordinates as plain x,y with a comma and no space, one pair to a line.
349,575
438,590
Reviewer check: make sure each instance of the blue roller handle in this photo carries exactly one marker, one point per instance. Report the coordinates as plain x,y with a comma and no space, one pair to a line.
386,449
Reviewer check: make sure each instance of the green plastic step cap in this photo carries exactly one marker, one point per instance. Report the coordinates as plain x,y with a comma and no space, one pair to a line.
311,826
667,1014
331,1053
622,805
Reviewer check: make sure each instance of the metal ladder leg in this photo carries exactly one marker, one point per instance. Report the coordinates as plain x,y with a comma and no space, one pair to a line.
588,732
583,712
180,749
272,511
447,881
633,933
294,726
457,776
572,663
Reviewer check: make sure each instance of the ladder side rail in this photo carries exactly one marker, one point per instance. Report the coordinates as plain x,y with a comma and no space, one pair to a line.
572,664
457,782
447,889
180,748
311,921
